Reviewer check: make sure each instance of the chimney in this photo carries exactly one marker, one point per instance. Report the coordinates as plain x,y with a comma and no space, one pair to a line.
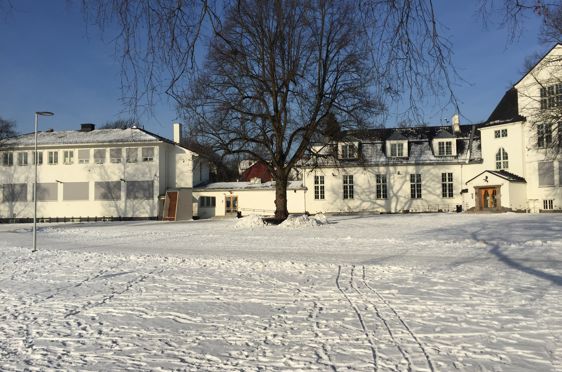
87,127
177,132
456,124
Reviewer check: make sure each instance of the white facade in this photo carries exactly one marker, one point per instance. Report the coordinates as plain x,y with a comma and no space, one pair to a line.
111,173
497,165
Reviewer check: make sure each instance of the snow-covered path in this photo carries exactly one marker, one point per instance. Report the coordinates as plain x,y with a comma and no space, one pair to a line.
383,293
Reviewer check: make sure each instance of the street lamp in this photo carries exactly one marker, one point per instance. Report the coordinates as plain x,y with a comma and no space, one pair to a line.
36,157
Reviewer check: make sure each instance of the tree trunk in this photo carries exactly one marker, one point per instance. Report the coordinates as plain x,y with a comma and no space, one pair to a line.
281,211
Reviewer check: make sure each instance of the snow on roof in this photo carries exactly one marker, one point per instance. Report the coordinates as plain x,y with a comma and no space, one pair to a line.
77,137
293,185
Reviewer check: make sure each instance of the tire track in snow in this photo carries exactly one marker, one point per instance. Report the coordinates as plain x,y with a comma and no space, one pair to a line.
400,319
378,314
361,319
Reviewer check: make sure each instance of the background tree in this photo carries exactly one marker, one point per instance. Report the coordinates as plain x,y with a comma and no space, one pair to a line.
7,128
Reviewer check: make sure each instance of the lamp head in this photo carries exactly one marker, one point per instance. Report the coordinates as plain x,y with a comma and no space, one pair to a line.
44,113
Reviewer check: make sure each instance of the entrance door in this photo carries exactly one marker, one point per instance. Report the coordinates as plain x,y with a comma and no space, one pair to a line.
170,205
488,198
231,204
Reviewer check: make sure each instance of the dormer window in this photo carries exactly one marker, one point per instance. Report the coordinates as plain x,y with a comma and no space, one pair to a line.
445,148
397,150
348,151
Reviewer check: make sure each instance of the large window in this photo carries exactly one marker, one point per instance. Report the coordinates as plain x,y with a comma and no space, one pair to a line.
22,158
132,154
84,156
76,191
348,187
381,186
207,201
147,153
502,159
7,159
140,190
544,135
415,186
319,187
115,155
53,157
39,157
99,156
109,190
447,185
445,148
14,192
551,96
47,191
68,156
397,150
546,173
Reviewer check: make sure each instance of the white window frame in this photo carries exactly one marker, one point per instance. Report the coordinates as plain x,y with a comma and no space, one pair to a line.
548,204
444,148
8,159
397,150
83,160
348,151
68,157
146,156
113,158
415,186
39,157
53,157
97,159
502,159
381,186
348,186
544,135
22,158
447,185
319,191
129,151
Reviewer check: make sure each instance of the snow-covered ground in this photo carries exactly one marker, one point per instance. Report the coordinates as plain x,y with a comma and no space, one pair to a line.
437,292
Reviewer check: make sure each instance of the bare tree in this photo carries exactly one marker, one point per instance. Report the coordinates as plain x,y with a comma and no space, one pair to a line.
7,128
275,69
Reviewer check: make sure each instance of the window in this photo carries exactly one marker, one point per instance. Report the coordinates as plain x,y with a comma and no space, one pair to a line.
445,148
447,185
140,190
396,150
207,201
53,157
318,187
8,159
99,156
22,158
39,157
348,151
115,155
544,135
501,159
83,156
76,191
132,154
381,186
548,204
551,96
14,192
110,190
147,153
546,173
47,191
68,157
500,133
348,187
415,186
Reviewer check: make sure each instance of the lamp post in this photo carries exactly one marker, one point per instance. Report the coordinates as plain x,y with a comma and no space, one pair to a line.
36,157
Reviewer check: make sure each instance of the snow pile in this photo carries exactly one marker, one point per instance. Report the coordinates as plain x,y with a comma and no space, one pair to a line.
295,221
249,222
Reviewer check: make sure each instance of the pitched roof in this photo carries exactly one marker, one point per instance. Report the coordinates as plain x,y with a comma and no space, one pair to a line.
444,134
74,137
507,110
411,133
501,174
396,136
257,170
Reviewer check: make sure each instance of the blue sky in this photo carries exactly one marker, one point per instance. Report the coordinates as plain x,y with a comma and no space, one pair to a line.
50,61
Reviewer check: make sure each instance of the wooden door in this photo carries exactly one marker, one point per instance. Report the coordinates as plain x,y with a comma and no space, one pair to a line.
488,198
231,204
171,205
